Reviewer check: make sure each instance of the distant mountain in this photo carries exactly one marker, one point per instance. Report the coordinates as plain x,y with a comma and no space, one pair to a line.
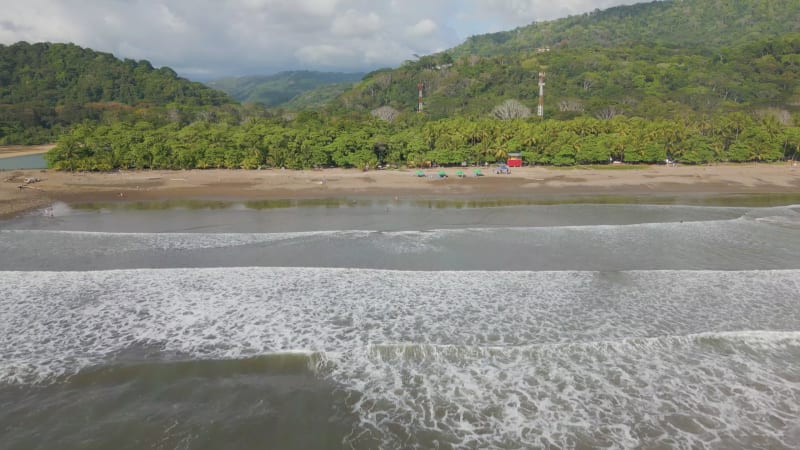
666,59
284,87
46,86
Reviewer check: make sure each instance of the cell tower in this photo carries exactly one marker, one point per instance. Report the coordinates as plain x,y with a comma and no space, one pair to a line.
420,86
540,109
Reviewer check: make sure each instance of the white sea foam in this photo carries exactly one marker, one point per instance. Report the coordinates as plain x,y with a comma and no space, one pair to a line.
711,390
234,312
473,359
394,242
177,241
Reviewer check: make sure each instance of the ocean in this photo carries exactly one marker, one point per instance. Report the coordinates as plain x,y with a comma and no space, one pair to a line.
400,325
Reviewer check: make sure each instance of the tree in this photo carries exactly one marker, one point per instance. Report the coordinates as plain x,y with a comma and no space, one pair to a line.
386,113
511,109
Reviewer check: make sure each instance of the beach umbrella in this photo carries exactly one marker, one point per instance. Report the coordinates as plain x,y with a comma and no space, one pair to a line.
478,172
442,174
460,173
420,173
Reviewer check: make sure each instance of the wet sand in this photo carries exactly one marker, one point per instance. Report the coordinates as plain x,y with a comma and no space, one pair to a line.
522,183
11,151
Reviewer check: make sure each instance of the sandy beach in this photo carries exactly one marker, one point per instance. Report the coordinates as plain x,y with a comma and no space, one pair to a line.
17,196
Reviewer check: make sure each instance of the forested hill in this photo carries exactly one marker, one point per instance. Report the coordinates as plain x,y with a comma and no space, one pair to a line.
45,87
660,60
281,88
674,23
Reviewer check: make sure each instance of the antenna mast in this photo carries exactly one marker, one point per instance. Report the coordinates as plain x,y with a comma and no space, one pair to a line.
540,109
420,86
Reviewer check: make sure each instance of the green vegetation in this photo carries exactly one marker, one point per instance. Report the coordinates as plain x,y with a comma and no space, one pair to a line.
640,80
317,98
314,140
292,90
704,25
691,81
45,88
658,60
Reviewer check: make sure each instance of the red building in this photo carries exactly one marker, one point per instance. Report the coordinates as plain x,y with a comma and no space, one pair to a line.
514,160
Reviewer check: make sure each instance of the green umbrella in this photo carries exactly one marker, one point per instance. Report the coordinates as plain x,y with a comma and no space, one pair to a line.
442,174
478,172
420,173
460,173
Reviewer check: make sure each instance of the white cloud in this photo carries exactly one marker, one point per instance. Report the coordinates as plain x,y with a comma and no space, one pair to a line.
423,28
353,23
512,13
172,21
324,55
307,7
209,38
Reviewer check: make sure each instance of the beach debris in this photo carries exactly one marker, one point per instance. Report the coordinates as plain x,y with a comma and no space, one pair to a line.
18,176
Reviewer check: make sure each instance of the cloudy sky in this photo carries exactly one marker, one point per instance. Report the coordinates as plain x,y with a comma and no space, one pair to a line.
205,39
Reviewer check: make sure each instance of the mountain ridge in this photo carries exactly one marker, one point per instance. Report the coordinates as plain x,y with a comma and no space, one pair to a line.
281,89
45,87
667,23
748,64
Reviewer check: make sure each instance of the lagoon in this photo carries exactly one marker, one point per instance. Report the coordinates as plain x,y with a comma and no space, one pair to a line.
35,161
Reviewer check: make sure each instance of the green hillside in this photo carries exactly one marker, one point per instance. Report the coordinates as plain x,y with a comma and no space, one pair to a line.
46,87
644,80
706,24
287,87
723,91
739,56
317,98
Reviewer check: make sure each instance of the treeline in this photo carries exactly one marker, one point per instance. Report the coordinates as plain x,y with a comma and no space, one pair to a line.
45,88
650,81
313,140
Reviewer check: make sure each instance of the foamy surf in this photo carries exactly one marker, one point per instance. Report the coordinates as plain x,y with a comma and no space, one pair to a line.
59,322
700,391
493,329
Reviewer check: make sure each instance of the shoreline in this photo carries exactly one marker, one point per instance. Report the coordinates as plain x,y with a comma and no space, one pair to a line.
12,151
528,183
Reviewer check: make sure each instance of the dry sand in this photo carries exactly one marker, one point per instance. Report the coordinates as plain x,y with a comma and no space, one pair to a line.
529,183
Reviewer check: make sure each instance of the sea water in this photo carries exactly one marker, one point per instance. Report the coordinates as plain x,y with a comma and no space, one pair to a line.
401,325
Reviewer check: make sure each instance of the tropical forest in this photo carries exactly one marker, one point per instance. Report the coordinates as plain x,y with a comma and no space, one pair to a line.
691,81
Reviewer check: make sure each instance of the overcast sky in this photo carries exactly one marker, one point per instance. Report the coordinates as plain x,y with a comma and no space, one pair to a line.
205,39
